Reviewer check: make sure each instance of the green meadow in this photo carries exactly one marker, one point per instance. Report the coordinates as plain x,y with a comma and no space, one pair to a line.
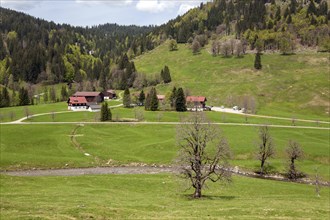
288,86
156,197
50,146
134,114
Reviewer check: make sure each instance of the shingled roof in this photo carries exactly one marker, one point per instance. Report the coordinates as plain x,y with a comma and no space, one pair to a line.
196,99
84,94
77,100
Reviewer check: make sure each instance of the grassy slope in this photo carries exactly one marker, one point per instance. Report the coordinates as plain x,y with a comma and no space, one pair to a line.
290,86
156,197
19,112
42,146
49,146
161,116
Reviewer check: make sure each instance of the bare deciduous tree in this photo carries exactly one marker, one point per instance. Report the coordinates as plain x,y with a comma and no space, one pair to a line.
225,49
266,147
53,115
294,152
204,153
12,115
317,182
26,112
239,49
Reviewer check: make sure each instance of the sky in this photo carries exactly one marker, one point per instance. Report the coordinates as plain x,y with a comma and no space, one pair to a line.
94,12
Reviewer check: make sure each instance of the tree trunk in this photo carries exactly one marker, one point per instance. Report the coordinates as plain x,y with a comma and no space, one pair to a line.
198,191
262,167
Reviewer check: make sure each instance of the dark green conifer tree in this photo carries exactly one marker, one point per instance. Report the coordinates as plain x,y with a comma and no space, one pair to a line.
142,97
167,75
180,102
153,100
257,62
23,97
64,93
5,100
147,102
173,97
127,98
105,112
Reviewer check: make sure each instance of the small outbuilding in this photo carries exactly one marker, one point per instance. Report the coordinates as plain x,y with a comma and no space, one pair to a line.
109,94
161,98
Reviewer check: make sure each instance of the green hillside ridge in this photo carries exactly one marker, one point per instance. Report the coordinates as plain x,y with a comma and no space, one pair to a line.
290,86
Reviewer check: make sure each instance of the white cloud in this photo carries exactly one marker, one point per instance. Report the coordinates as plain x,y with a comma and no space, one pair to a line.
109,2
155,6
19,4
184,8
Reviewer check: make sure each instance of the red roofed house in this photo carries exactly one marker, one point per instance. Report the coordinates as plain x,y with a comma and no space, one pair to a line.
77,103
85,101
94,97
196,102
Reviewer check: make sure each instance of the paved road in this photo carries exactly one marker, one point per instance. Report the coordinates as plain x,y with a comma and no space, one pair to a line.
229,110
20,121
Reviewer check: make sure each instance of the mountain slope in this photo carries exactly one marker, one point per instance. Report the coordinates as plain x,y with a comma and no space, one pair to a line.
291,86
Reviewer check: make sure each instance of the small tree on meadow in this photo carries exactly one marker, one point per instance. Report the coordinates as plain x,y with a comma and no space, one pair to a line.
52,94
173,97
153,100
265,147
142,97
173,45
180,101
45,95
166,75
196,47
204,153
294,152
257,61
127,98
105,112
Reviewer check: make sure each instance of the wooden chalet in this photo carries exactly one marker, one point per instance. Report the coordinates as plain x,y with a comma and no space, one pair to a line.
161,98
109,94
196,102
85,101
91,97
77,103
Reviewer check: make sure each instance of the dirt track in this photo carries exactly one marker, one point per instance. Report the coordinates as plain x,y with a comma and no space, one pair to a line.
92,171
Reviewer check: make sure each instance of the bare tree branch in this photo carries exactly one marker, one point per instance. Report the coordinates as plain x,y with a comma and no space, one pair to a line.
204,152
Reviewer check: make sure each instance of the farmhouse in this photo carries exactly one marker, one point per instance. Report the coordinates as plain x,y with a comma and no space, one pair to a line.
196,102
82,101
77,103
109,94
94,97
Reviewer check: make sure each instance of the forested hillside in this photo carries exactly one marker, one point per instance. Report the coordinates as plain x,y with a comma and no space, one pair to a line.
41,52
268,21
35,50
